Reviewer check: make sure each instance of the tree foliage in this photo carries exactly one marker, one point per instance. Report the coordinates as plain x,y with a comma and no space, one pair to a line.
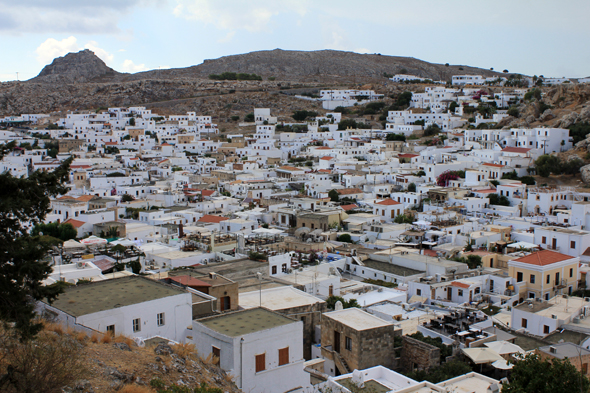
345,238
24,202
334,196
303,114
444,178
579,131
412,187
395,137
348,123
331,302
446,371
533,375
496,199
403,219
548,164
63,231
233,76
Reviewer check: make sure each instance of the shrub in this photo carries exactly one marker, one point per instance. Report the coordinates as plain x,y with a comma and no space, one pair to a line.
344,238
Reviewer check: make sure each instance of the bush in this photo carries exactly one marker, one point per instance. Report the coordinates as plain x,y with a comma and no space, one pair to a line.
331,302
348,123
60,231
127,198
412,187
249,118
344,238
513,111
303,114
395,137
403,219
496,199
578,131
48,363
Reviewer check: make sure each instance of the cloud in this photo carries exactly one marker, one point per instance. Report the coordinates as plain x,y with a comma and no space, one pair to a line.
52,48
240,14
101,53
130,66
228,37
65,16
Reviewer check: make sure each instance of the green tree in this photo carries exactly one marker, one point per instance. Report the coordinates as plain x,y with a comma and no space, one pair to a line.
403,219
395,137
496,199
347,123
452,106
334,196
345,238
24,202
132,121
412,187
533,375
249,118
331,302
446,371
127,198
547,164
513,111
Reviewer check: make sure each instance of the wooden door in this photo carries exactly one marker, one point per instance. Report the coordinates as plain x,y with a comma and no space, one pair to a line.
336,341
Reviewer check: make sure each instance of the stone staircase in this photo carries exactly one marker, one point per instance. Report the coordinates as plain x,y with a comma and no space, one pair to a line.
341,363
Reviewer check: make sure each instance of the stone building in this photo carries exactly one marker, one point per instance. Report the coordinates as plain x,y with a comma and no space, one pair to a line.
418,355
354,339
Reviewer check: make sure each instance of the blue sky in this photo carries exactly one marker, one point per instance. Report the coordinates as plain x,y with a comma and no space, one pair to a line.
527,36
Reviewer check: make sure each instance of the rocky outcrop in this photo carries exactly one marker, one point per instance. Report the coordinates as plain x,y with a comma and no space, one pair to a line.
585,173
83,66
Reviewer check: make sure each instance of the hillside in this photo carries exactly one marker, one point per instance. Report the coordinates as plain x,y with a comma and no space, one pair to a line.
67,361
80,67
323,65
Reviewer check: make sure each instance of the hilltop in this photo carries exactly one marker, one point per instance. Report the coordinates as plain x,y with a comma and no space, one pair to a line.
322,65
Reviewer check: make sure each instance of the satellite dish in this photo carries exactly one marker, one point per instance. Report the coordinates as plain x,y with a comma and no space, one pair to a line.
338,306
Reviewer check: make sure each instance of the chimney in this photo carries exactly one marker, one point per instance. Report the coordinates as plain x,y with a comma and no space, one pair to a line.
180,231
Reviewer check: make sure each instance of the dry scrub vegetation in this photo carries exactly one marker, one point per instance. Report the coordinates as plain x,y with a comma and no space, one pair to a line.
65,360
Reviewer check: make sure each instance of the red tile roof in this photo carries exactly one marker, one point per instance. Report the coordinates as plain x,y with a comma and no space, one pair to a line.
459,285
494,165
388,202
324,148
212,219
290,168
349,207
327,158
348,191
516,149
407,155
325,170
544,258
75,223
207,192
104,264
85,198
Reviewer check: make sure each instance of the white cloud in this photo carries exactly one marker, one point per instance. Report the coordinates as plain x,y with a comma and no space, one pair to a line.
52,48
240,14
228,37
101,53
130,66
65,16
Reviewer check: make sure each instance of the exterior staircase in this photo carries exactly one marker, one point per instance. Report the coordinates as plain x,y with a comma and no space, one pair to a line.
341,363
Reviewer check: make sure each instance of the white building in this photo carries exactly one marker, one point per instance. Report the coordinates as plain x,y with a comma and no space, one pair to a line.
262,349
133,306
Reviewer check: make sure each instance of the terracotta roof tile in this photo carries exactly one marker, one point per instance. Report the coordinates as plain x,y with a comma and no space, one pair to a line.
544,258
212,219
348,191
516,150
459,285
388,202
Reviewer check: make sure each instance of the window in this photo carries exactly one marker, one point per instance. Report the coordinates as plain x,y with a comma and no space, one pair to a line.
136,325
160,319
419,292
584,368
260,362
523,323
572,244
544,240
532,278
545,329
274,269
216,352
283,356
548,279
460,292
111,329
348,343
519,276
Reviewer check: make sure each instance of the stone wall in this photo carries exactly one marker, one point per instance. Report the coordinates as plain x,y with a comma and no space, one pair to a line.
418,355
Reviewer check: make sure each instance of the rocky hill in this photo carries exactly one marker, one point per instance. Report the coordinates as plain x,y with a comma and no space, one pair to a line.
316,66
80,67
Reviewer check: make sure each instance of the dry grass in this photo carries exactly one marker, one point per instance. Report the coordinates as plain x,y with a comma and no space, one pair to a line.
124,339
94,338
54,327
81,336
211,360
185,350
136,389
106,339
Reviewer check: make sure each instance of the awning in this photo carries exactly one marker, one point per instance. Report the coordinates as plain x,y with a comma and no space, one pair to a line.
523,245
481,355
502,365
71,244
504,347
93,240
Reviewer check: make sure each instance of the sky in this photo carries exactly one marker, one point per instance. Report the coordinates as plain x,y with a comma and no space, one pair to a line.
532,37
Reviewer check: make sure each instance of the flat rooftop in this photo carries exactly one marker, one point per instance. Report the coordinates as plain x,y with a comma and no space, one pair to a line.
106,295
565,350
245,321
357,319
468,383
391,268
559,306
278,298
